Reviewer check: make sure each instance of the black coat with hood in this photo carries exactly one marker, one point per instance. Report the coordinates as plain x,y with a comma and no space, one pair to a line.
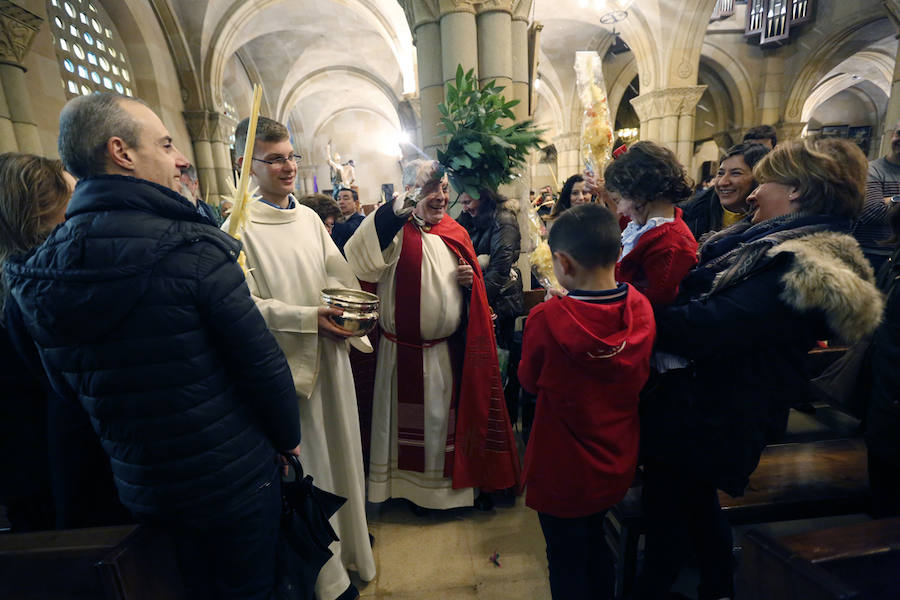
745,325
139,311
883,407
496,235
703,213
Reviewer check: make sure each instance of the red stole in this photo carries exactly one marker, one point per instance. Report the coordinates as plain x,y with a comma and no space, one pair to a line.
481,450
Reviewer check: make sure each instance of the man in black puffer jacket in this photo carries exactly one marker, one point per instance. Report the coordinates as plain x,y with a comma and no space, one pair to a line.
139,311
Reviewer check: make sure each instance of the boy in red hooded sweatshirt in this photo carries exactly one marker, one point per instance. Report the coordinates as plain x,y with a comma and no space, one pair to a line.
586,356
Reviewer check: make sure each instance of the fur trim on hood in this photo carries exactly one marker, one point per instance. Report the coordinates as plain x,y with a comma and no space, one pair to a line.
830,273
512,205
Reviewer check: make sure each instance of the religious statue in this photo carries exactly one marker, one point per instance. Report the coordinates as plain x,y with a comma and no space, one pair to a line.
342,174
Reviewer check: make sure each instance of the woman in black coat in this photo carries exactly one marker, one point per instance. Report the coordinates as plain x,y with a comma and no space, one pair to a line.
732,347
491,222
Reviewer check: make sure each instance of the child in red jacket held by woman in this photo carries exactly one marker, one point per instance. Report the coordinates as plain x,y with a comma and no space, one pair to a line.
658,248
586,356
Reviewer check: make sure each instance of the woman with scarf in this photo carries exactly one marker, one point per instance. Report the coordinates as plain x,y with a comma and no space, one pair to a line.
731,349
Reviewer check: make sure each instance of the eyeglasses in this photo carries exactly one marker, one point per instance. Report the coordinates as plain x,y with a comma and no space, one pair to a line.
280,161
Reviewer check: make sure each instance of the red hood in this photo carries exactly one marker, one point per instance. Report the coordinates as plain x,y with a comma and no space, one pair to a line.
587,331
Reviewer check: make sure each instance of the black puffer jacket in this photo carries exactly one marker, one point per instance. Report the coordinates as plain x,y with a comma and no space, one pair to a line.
139,310
497,235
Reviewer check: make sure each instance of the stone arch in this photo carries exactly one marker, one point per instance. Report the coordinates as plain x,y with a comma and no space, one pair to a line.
238,15
831,51
616,90
827,88
157,75
681,68
637,33
736,80
551,94
188,75
289,99
393,120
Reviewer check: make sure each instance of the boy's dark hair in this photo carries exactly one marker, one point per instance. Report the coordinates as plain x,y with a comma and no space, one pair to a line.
589,233
762,132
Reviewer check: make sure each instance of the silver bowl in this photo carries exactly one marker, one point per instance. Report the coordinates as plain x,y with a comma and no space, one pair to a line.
360,309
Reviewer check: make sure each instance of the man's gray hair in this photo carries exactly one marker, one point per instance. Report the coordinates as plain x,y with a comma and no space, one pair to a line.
415,170
267,130
85,125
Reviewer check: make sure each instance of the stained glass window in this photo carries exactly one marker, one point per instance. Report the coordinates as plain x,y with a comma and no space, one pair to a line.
76,23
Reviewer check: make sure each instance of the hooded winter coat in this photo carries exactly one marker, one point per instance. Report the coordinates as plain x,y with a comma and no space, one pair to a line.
883,407
140,312
496,237
746,337
703,213
587,363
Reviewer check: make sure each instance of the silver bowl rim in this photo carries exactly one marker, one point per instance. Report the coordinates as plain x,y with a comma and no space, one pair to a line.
349,296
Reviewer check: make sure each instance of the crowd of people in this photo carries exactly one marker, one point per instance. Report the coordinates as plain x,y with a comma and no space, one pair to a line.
150,377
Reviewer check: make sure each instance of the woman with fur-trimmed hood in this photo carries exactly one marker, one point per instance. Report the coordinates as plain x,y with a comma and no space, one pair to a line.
732,348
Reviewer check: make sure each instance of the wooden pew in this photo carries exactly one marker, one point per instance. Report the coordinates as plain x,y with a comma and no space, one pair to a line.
852,561
129,562
532,299
792,481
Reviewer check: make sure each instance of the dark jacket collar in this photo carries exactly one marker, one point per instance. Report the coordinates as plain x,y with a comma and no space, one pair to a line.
120,192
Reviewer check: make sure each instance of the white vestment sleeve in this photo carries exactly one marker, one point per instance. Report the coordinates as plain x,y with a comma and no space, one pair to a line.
364,253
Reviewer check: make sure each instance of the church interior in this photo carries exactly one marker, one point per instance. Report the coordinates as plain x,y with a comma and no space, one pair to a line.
362,80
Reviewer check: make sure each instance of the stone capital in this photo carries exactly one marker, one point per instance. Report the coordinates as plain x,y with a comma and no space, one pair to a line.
521,10
567,141
506,6
17,30
419,12
221,127
789,131
197,124
454,6
669,102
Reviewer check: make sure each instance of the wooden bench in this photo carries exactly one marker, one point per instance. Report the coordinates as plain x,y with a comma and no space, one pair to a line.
792,481
853,561
129,562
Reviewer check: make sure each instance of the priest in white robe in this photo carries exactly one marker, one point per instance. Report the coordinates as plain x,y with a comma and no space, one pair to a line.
439,422
290,259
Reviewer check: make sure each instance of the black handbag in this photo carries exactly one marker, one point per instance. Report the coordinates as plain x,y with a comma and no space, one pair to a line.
305,534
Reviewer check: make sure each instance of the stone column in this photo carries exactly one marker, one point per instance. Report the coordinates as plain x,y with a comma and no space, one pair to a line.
568,150
198,126
770,95
221,128
649,113
17,123
519,51
494,24
667,117
7,132
459,33
431,83
423,17
305,176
